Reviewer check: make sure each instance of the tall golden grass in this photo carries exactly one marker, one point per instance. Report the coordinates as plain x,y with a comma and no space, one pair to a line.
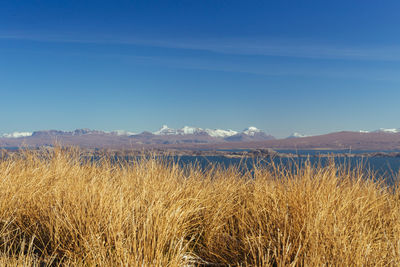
56,208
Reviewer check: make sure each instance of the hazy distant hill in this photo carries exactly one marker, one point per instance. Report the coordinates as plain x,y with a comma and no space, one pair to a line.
377,140
197,138
164,136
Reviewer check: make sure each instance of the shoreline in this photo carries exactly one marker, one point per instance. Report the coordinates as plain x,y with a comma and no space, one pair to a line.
244,153
251,153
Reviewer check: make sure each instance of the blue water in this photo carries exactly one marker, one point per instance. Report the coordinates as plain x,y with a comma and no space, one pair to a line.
333,152
385,168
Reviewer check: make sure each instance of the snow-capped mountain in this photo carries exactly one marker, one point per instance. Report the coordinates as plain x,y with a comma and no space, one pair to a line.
165,130
122,133
16,134
195,138
385,130
86,131
220,133
251,131
77,132
186,130
190,130
382,130
164,136
296,135
217,133
248,134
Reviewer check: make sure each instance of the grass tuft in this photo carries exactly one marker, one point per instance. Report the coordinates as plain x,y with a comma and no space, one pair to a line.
57,207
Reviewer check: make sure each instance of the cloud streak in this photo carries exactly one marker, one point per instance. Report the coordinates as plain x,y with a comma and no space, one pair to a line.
241,46
242,61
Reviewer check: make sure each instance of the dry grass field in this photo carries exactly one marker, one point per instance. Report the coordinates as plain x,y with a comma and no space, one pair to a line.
56,208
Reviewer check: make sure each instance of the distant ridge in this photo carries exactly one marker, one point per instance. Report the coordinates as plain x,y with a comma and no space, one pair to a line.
198,138
16,135
120,138
296,135
384,130
165,130
345,140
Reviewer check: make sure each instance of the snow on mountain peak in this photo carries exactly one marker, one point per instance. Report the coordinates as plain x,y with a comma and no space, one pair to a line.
220,133
165,130
251,131
190,130
392,130
123,133
17,134
297,135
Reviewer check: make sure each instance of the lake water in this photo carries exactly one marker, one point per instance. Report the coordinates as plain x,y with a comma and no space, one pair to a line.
386,168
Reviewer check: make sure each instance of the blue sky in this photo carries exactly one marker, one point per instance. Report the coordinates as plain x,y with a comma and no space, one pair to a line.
283,66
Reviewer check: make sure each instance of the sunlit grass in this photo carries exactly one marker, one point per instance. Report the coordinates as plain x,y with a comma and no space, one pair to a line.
56,208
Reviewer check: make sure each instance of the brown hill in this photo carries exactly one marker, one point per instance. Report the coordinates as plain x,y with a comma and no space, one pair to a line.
338,140
97,139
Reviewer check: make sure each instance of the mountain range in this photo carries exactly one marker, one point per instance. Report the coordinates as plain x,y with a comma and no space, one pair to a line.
199,138
120,138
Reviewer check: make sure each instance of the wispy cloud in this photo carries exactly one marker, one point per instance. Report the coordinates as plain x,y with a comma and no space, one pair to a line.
240,46
266,68
288,48
244,63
